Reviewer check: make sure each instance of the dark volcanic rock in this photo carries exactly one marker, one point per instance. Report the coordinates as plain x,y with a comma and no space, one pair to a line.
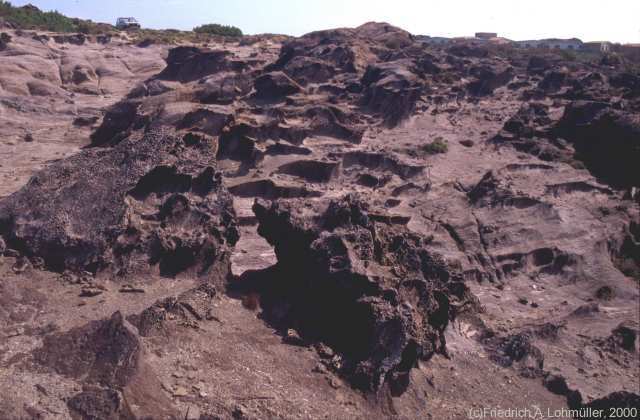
607,140
626,256
75,39
616,400
108,359
85,121
489,79
116,123
311,170
266,188
307,70
539,64
553,81
371,291
187,310
105,352
375,65
5,39
150,204
275,85
223,88
623,337
629,82
207,120
150,88
465,50
334,122
346,50
387,35
382,162
186,64
558,385
516,350
99,404
392,90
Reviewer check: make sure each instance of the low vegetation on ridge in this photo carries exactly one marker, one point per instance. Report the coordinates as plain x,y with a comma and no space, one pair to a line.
216,29
30,17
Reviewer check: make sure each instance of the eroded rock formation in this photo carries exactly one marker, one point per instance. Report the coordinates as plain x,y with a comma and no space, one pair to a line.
151,204
426,217
370,290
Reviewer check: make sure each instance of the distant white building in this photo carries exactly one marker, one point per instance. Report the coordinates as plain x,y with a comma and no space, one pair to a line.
551,43
598,46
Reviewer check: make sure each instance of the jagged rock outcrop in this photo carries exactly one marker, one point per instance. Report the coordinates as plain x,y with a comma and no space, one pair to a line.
107,357
224,88
103,352
392,90
187,309
606,139
186,64
616,402
116,123
275,85
99,403
370,290
539,64
473,166
149,204
5,39
596,128
488,79
346,50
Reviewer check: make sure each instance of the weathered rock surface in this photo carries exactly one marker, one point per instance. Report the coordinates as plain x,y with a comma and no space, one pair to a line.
371,291
45,85
148,204
606,139
275,85
102,352
438,216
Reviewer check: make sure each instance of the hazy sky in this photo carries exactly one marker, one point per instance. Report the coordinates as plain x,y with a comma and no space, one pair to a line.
614,20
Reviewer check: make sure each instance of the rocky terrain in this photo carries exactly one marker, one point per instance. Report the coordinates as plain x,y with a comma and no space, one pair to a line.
349,224
53,91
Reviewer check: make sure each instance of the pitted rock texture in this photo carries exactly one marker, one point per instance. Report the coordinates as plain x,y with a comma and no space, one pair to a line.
370,290
437,216
151,204
54,90
104,352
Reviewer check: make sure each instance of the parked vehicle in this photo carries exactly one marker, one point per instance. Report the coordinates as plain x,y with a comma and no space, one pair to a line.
125,23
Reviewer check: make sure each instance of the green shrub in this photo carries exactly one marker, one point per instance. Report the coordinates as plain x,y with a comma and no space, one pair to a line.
33,18
84,28
216,29
436,146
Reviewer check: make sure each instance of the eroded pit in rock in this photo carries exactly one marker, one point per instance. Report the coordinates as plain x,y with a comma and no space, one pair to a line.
266,188
383,162
606,139
311,170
